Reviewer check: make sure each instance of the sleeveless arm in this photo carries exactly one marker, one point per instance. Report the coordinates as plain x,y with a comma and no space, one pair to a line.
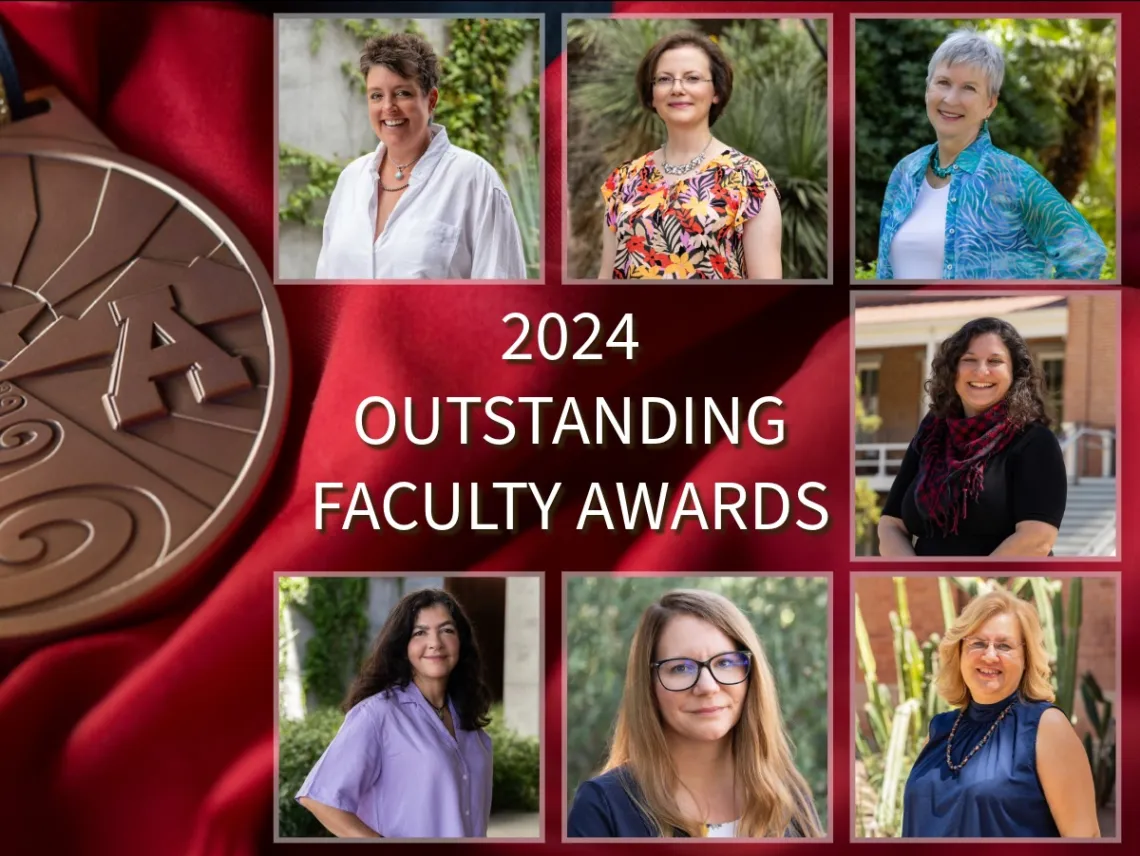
1066,777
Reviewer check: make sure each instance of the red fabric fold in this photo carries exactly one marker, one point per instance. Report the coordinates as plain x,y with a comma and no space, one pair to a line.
156,736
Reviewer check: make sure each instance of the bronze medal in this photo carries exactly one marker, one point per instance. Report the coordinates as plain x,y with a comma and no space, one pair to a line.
143,375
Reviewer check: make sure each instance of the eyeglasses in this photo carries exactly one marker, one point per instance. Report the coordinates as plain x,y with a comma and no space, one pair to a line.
977,645
678,674
689,81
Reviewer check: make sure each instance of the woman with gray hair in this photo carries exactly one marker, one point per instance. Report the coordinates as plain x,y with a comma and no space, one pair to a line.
961,208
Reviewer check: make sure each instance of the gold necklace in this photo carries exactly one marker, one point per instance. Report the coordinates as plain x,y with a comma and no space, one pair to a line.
707,827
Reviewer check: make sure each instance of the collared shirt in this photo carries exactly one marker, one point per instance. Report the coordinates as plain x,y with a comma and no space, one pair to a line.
1004,220
454,221
394,765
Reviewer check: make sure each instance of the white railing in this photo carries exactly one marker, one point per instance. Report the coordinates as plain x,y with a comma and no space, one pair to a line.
879,463
1075,453
1103,543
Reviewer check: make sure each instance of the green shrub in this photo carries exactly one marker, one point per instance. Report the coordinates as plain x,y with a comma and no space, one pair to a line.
302,742
1109,269
515,784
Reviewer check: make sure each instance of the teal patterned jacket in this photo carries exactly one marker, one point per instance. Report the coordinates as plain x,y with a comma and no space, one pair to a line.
1004,220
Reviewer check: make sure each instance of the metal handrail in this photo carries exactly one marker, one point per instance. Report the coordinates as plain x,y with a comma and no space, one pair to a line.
1103,438
1099,544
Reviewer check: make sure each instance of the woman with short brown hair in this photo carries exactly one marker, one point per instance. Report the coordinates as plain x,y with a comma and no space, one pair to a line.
695,208
418,207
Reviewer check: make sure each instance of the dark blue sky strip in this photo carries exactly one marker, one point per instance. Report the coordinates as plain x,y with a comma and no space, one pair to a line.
473,9
12,82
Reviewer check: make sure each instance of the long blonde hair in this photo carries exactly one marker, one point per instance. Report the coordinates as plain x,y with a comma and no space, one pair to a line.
1035,684
775,793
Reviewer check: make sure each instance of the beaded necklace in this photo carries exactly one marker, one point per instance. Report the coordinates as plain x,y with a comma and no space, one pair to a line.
955,768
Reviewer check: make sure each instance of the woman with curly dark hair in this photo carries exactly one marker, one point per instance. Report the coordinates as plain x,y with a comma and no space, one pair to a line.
984,475
412,759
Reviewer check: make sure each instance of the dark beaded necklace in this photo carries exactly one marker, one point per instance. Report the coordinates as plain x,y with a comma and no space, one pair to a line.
936,168
954,768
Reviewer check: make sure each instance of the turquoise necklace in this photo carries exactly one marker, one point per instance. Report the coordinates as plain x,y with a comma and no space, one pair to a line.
945,171
940,171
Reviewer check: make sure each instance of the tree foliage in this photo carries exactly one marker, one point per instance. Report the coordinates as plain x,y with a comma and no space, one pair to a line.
778,115
867,509
788,613
337,607
1056,109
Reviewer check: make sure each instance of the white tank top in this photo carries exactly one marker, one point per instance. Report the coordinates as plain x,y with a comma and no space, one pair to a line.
919,247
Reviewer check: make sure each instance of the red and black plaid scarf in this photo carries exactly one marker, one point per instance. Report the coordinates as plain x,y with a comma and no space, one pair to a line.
952,468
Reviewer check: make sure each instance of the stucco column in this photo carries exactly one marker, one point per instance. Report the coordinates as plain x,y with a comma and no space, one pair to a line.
522,656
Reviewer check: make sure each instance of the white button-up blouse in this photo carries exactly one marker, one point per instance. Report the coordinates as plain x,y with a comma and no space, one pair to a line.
455,221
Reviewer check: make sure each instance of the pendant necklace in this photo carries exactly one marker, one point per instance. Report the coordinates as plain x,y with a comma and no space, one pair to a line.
439,711
709,827
401,167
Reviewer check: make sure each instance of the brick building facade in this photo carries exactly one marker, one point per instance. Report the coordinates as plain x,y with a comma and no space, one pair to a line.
1074,339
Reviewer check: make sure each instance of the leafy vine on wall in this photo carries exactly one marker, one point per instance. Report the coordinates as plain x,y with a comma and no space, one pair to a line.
475,104
337,607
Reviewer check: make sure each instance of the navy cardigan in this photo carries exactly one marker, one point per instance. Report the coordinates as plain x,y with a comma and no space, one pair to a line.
603,808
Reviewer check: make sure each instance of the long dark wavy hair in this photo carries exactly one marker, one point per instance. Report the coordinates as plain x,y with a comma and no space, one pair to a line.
387,664
1025,398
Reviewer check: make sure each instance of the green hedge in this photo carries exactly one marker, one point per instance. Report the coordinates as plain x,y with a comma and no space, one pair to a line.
302,742
515,784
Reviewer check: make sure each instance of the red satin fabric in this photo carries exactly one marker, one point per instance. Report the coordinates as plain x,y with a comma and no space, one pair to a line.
156,736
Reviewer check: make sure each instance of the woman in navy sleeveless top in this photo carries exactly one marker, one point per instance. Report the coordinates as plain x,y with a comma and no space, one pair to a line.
1006,763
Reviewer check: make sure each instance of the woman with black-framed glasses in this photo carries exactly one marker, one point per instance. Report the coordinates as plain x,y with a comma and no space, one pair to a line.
699,749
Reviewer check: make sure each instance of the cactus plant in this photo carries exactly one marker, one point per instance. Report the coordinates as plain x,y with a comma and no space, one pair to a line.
896,728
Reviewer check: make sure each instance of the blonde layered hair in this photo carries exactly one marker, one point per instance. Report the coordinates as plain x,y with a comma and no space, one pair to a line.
775,793
1035,683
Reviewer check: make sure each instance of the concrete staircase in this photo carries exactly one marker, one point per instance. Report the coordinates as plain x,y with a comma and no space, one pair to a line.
1089,526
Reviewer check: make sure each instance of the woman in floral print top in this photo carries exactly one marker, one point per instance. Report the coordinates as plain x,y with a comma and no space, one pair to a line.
695,208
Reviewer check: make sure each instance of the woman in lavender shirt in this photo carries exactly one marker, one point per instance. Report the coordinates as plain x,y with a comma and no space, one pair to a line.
411,759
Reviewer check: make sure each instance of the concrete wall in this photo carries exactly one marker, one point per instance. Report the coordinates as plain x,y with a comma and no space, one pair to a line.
318,111
522,661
